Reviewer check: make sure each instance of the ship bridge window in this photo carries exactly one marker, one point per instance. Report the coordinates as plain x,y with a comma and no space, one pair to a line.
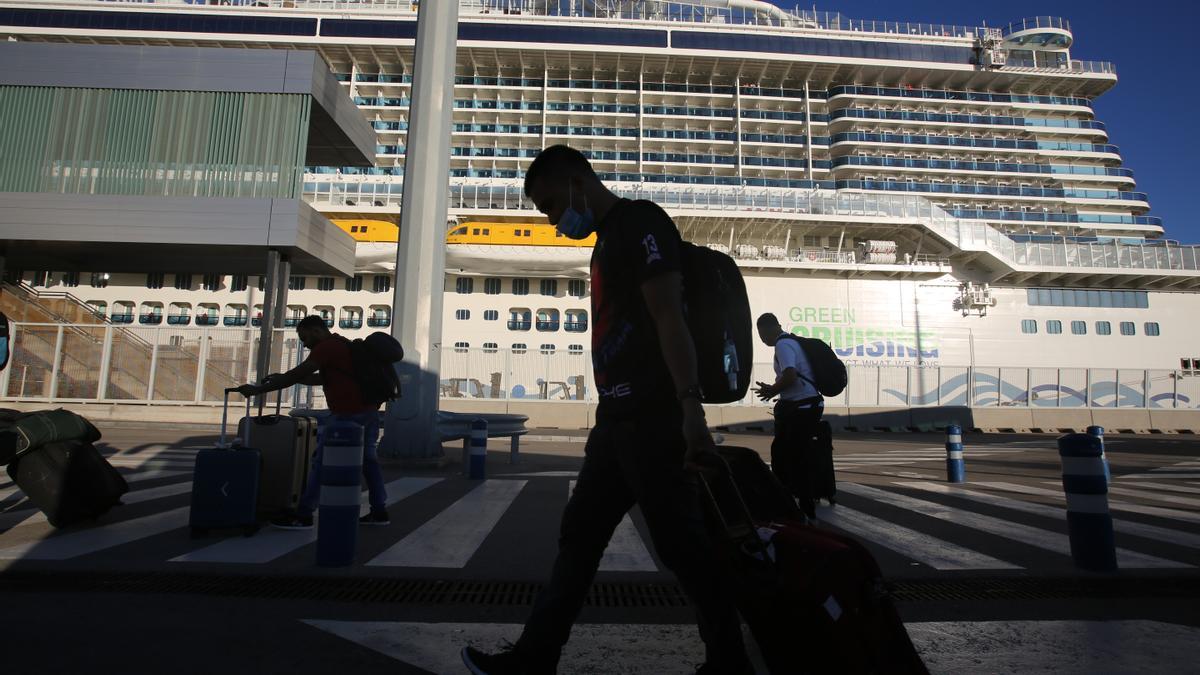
1127,328
1150,328
464,285
1103,328
1029,326
520,286
491,286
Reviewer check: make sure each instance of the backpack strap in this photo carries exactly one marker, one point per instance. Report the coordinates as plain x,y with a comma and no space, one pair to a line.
811,399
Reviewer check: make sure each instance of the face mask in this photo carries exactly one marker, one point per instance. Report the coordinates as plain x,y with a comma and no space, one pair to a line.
573,224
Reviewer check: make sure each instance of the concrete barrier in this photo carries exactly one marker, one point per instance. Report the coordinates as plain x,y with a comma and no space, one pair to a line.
1123,420
1064,420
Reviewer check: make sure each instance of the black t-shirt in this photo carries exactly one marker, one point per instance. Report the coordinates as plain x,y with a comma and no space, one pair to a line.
636,242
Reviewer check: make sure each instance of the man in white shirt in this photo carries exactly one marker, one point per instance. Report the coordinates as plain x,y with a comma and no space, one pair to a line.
797,411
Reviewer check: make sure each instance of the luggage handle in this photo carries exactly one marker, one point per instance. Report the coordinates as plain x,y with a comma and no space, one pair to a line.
262,400
749,531
225,421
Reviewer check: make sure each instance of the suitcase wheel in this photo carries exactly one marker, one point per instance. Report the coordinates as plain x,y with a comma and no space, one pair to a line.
198,532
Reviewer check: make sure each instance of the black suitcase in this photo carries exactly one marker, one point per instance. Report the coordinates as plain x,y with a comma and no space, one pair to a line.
225,484
764,495
822,483
70,481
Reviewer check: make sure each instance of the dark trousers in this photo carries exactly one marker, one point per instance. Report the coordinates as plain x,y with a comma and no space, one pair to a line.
634,462
794,429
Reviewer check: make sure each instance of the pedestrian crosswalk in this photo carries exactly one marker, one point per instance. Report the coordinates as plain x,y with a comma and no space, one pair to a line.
858,460
997,524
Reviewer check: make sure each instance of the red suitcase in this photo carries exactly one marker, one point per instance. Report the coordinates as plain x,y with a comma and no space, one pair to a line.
815,601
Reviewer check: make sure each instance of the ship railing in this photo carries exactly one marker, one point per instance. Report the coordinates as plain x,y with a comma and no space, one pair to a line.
962,233
881,374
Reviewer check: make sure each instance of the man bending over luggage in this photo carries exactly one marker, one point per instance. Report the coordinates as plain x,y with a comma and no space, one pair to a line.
797,411
649,422
329,365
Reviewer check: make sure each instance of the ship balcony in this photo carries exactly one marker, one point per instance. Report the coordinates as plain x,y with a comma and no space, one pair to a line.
178,320
379,322
519,325
957,166
235,321
206,320
121,318
575,326
850,115
547,326
861,91
150,319
350,323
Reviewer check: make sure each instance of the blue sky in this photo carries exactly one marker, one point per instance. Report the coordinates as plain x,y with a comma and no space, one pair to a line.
1153,44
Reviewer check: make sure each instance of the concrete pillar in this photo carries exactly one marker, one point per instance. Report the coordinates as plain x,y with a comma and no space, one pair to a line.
409,429
263,360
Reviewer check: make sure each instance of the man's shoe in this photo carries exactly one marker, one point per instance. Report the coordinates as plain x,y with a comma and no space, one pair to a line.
376,517
505,662
293,521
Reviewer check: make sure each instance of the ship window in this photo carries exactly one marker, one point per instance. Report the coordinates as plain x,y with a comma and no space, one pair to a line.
70,279
324,283
1054,327
549,287
155,280
461,230
490,315
183,282
238,282
461,347
296,283
1151,328
211,282
1029,326
491,286
490,347
462,314
100,279
1127,328
475,231
519,348
354,283
520,287
465,285
576,288
575,349
1103,328
1079,328
382,284
547,349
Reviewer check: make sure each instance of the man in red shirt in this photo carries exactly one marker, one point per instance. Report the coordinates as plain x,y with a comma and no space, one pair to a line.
329,364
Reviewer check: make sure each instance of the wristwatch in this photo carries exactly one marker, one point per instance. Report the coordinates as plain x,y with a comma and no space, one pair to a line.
690,392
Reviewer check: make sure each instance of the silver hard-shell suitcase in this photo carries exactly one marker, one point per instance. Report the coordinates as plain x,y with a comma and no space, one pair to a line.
287,445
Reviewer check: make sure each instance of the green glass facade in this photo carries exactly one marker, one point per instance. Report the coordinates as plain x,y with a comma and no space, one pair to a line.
152,143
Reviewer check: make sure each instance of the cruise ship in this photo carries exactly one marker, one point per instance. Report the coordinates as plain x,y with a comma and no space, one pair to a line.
937,202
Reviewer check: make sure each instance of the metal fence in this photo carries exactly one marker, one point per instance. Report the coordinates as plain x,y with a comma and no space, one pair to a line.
104,363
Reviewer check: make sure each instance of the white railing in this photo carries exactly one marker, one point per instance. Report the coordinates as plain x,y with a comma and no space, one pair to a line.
963,234
54,363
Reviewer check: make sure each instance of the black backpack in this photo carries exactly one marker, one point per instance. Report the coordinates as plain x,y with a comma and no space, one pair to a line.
829,372
373,359
718,317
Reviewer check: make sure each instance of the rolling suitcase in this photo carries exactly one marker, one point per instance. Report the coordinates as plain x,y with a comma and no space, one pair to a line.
287,444
822,483
225,484
764,495
815,601
70,481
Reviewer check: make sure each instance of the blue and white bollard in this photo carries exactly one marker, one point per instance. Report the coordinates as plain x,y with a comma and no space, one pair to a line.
477,458
1089,523
956,471
1098,432
341,487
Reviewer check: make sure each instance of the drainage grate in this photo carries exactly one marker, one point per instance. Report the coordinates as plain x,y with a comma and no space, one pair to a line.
1045,588
517,594
333,589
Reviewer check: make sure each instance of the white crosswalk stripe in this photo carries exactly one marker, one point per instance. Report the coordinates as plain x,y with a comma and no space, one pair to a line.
937,553
1155,495
1170,536
449,539
1113,505
81,542
625,552
1044,539
271,543
130,478
1159,486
